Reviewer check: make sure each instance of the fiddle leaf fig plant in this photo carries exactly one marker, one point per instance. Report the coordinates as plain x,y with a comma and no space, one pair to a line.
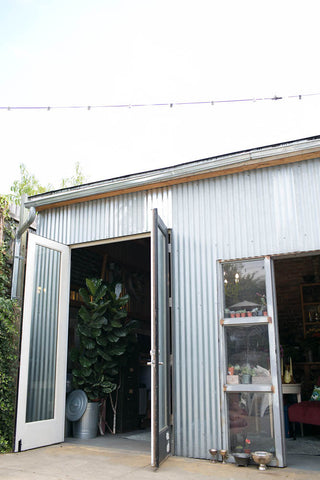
106,337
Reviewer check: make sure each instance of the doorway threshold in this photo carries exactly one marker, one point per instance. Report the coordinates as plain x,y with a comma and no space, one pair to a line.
138,441
304,453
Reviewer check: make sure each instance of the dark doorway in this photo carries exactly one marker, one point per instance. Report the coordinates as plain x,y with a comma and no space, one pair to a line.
298,304
127,263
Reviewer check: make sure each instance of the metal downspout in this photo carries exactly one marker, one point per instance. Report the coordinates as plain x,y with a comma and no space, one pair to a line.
18,258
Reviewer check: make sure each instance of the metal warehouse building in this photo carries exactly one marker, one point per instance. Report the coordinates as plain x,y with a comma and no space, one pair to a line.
226,250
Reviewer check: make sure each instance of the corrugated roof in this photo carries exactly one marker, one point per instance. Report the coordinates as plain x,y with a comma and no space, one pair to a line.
286,152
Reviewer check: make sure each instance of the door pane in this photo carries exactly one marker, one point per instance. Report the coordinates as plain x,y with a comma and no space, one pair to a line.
43,336
247,354
244,288
250,422
162,305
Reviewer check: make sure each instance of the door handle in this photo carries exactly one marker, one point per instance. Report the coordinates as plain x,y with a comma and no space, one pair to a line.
150,363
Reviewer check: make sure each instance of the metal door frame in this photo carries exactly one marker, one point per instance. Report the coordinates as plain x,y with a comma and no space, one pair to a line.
273,335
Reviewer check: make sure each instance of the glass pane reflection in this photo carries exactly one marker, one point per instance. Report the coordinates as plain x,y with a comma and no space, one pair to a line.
43,336
247,354
250,420
244,288
162,299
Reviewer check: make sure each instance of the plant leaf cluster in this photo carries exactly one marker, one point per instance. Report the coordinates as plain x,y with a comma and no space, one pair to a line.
9,337
106,337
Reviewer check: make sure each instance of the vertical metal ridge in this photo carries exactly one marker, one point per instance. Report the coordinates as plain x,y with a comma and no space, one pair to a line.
101,219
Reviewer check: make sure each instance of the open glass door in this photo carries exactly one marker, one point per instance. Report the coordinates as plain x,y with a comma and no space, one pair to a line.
251,378
160,335
42,378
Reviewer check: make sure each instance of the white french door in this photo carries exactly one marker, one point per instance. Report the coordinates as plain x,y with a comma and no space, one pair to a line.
42,377
160,337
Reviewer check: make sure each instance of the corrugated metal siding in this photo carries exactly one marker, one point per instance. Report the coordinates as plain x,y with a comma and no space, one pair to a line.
261,212
197,419
105,218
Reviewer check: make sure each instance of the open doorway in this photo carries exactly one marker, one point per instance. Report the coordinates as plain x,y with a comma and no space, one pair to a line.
127,263
297,280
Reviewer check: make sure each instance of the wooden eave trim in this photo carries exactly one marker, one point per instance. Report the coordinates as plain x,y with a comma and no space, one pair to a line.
220,171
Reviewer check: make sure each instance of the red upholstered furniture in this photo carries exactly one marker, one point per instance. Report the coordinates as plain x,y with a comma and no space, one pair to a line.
305,412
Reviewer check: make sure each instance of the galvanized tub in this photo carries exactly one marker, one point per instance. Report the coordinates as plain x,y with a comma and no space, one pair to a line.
87,426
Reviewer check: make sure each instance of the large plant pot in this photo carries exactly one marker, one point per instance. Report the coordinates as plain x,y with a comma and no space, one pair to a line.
87,426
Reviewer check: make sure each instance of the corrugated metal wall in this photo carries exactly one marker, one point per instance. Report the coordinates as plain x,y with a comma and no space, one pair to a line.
261,212
113,217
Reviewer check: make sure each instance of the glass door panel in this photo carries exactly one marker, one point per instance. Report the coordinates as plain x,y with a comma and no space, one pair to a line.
43,360
249,354
244,289
250,422
43,336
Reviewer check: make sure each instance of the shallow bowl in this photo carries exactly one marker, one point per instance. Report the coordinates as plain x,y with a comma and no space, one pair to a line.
262,458
242,459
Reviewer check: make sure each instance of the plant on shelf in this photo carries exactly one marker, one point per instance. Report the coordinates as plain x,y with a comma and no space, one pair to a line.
246,373
106,338
263,301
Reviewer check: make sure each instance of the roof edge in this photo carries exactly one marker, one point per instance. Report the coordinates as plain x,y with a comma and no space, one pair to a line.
221,164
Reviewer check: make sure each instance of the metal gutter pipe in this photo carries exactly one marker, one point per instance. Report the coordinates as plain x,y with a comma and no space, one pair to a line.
18,258
254,156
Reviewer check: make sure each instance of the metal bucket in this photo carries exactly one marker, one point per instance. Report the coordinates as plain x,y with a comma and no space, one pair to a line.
87,426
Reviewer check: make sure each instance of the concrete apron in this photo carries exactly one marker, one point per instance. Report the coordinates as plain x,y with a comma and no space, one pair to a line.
75,462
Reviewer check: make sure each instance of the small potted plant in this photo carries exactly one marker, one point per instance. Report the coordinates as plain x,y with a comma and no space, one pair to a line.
246,374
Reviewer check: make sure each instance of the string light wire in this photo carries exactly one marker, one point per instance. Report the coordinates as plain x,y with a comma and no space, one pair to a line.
165,104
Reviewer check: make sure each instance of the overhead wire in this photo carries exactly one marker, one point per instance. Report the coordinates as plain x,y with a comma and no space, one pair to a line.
164,104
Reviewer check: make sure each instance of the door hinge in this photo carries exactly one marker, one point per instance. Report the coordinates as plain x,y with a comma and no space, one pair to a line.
170,302
171,419
171,359
169,248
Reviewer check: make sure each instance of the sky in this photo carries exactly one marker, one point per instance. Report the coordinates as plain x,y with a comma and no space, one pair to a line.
62,53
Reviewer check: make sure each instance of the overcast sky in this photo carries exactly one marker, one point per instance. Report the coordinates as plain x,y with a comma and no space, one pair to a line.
106,52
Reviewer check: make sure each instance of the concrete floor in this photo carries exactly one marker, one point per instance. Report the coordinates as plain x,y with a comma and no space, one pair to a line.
70,461
117,457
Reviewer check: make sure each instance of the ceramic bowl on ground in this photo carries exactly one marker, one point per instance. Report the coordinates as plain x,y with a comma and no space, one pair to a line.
242,459
262,458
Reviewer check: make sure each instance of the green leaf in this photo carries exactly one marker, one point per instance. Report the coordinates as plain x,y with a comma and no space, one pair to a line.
117,350
102,341
86,362
88,343
104,354
113,338
116,324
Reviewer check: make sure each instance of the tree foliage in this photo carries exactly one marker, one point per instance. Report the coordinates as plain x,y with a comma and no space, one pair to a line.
29,185
9,315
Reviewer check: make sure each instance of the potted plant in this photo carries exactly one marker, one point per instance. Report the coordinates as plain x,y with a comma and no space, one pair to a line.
105,337
246,374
